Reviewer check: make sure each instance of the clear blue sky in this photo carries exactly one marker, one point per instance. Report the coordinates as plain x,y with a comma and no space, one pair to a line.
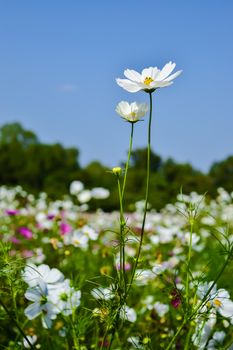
59,60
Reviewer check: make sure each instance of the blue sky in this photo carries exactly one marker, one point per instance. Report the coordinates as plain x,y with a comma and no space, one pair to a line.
59,60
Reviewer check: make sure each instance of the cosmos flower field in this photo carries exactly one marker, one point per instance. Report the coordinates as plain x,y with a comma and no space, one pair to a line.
59,263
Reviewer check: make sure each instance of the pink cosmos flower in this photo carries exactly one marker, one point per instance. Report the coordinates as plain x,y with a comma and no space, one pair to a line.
25,232
65,228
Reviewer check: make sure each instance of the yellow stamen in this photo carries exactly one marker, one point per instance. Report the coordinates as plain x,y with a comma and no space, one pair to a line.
217,302
148,80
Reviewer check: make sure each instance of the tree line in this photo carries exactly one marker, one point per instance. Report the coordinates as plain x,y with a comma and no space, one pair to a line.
37,167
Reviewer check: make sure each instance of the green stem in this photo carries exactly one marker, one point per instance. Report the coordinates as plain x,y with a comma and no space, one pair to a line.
188,262
128,160
16,324
122,242
146,197
176,335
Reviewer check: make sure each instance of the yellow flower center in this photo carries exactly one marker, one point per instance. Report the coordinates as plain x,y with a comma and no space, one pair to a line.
148,80
217,302
133,114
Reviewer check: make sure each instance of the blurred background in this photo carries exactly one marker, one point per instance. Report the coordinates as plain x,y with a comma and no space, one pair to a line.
59,62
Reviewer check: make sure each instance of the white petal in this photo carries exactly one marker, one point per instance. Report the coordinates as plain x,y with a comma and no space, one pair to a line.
167,69
226,308
160,84
33,310
128,85
54,276
123,108
173,76
133,75
43,271
148,72
33,294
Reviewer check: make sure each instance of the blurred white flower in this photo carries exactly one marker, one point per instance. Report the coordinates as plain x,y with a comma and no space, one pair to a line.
78,239
160,308
217,299
99,193
84,196
32,339
102,293
76,187
150,78
131,112
41,275
41,305
66,298
216,341
203,330
128,314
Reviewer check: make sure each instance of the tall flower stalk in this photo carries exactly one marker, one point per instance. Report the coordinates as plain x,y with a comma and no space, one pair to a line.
146,197
149,80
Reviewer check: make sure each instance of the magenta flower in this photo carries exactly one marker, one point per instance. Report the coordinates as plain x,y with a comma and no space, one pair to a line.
65,228
11,212
15,240
25,232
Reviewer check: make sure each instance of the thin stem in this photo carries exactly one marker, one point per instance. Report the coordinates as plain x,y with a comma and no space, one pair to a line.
122,243
188,262
128,160
176,335
16,324
146,197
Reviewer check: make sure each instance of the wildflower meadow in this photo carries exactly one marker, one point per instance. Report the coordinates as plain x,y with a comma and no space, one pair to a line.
74,278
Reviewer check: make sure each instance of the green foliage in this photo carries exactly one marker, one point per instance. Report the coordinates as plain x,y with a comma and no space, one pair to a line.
25,161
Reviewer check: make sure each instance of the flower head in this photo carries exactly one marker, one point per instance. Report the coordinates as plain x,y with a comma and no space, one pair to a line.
150,78
131,112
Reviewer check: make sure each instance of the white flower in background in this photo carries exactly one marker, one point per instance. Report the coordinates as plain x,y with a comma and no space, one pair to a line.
84,196
78,239
217,299
160,308
32,339
41,275
132,112
66,298
216,341
135,341
89,232
41,305
203,330
102,293
76,187
142,277
99,193
150,78
43,221
128,314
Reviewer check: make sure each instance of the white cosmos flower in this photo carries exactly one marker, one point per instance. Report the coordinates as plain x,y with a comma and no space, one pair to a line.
66,297
76,187
218,299
127,313
41,275
84,196
102,293
150,79
99,193
41,305
131,112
